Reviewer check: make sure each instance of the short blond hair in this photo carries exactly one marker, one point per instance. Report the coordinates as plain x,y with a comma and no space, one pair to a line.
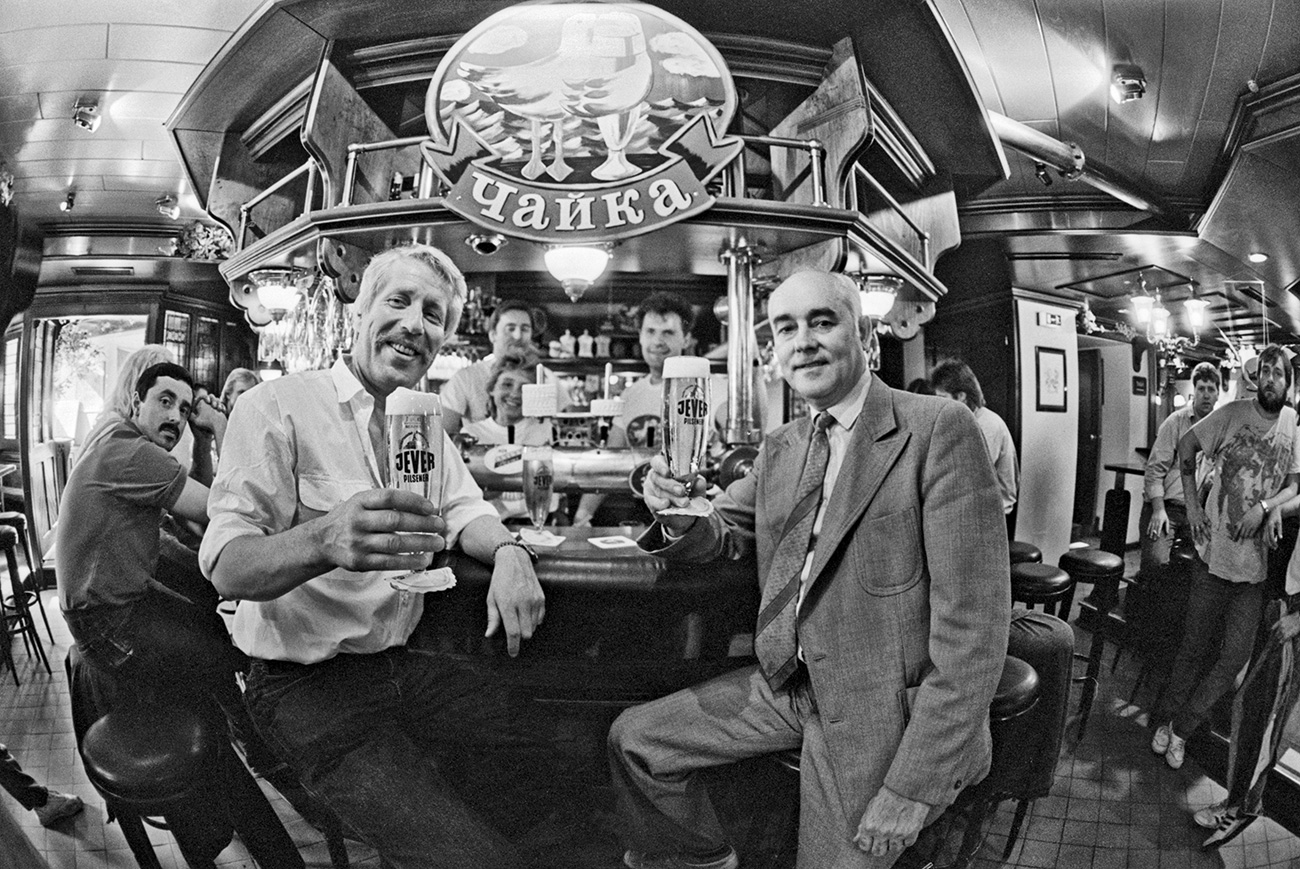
123,398
434,259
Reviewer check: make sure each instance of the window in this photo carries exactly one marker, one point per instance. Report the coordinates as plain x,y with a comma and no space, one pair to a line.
10,374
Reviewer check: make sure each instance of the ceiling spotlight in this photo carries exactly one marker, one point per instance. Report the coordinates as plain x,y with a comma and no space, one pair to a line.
69,202
167,206
1127,83
1257,257
86,115
1041,173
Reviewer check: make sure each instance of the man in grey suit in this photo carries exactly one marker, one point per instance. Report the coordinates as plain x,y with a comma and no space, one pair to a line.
882,556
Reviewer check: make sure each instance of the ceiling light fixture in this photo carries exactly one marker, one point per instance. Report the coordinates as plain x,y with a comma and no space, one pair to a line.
279,289
69,202
167,206
1041,173
1257,257
1127,83
878,293
87,116
576,267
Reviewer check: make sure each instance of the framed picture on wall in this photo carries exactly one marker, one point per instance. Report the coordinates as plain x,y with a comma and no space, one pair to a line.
1049,370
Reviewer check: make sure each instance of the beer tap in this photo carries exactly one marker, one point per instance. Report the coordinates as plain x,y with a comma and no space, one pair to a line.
606,409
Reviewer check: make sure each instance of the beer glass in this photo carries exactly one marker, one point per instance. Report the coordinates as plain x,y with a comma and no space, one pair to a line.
414,428
686,416
539,483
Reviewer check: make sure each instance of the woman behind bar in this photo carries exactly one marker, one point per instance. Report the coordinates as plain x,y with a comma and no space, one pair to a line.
506,423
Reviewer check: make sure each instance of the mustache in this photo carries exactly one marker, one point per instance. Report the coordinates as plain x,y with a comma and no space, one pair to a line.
171,427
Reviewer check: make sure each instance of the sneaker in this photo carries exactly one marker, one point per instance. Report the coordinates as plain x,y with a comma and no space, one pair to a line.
57,807
1160,742
1211,816
1230,826
1177,749
641,860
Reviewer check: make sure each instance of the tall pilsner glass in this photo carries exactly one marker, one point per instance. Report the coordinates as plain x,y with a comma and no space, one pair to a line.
414,425
686,417
539,483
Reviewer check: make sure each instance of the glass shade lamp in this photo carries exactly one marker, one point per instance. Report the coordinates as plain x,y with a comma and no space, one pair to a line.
576,267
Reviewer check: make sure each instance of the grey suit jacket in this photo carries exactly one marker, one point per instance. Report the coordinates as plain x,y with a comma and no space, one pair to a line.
904,626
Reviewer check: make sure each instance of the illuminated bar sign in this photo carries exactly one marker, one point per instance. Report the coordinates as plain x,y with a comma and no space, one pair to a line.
579,123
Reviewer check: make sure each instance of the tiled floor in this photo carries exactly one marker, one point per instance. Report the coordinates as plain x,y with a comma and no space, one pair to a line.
1114,804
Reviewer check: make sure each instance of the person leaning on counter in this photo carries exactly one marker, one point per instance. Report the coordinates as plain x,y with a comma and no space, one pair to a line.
302,531
893,555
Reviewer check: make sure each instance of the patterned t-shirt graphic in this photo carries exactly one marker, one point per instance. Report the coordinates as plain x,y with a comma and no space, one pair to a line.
1252,457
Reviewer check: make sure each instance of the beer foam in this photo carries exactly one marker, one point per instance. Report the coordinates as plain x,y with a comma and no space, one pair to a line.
407,401
686,366
607,407
541,399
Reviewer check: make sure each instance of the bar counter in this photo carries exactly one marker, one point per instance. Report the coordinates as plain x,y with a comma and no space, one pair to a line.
621,625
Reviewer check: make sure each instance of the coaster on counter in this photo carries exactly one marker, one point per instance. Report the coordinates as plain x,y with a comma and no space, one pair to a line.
615,541
699,506
533,537
439,579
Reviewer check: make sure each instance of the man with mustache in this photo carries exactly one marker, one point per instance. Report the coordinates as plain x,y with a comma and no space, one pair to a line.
306,535
147,625
1254,446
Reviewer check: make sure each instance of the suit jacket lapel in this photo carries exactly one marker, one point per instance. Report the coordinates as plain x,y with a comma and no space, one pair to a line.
873,448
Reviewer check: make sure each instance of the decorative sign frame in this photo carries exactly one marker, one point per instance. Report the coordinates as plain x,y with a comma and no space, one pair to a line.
1051,388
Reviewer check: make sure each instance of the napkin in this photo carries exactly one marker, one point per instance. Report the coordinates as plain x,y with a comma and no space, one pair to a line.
440,579
612,542
699,506
533,537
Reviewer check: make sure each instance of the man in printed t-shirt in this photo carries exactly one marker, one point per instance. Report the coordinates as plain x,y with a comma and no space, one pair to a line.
1256,453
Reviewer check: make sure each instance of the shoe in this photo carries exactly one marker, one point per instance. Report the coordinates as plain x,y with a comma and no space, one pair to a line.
1160,742
57,807
1230,827
1176,751
641,860
1211,816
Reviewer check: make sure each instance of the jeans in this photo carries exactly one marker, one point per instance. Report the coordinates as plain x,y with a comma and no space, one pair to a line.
379,737
19,784
1219,630
1155,553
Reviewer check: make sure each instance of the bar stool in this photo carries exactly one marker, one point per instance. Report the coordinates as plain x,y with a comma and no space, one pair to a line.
1103,570
1025,553
35,577
1033,584
14,613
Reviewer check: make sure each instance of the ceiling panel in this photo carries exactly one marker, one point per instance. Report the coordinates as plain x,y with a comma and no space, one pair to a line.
57,129
155,42
95,75
67,43
220,14
1283,44
79,147
19,107
1190,37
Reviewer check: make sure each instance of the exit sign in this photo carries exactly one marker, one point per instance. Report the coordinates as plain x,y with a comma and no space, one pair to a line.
1049,319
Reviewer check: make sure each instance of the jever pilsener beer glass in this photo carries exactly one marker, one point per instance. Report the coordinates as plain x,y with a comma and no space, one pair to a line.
539,483
414,425
686,417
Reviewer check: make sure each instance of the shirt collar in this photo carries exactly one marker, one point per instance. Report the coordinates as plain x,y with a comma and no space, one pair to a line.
847,410
345,382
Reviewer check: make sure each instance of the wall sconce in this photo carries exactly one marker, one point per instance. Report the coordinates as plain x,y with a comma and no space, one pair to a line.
1127,83
1196,313
1159,322
1142,305
69,202
576,267
86,115
167,206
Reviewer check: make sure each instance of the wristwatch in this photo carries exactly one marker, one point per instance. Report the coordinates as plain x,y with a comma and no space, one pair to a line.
1263,502
532,553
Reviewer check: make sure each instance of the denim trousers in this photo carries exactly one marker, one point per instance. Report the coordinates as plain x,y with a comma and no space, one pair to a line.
657,749
19,784
1155,553
1218,633
383,739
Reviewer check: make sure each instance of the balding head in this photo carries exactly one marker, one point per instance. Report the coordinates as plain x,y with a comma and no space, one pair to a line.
817,330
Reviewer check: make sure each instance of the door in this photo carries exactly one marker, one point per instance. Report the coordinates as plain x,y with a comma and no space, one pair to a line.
1085,480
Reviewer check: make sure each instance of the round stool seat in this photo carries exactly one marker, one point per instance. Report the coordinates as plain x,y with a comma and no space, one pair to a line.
1035,583
8,537
147,754
1025,553
1089,565
12,517
1017,690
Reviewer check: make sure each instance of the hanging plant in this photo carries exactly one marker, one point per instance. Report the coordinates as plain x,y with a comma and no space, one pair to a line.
203,242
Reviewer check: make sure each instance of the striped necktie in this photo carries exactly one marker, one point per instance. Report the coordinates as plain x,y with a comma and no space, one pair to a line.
775,643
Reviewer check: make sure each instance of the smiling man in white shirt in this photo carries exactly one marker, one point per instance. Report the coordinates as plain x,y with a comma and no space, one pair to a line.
305,534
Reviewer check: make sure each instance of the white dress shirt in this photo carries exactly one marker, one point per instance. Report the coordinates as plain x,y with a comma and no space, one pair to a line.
296,448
